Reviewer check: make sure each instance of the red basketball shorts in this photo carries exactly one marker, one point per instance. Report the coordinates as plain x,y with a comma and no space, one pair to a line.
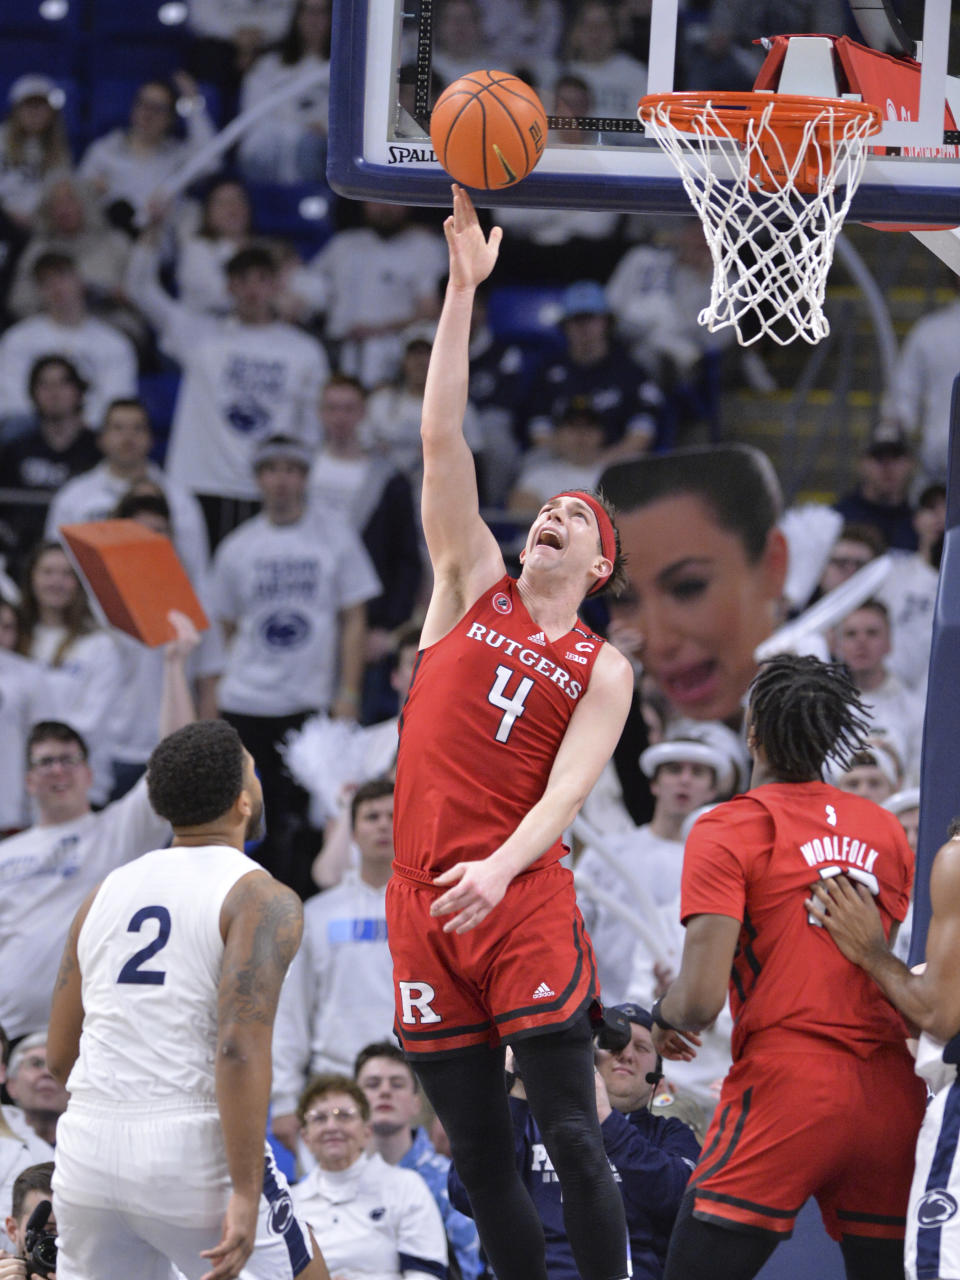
527,968
795,1122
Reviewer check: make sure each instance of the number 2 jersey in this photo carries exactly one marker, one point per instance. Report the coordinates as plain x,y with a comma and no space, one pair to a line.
755,858
151,955
488,707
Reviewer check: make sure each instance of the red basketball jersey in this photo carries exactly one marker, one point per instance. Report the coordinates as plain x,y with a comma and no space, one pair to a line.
487,710
755,858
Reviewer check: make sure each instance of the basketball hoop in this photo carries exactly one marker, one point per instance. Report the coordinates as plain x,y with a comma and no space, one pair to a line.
772,177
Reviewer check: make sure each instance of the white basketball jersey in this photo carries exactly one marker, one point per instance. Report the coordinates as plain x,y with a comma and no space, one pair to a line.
150,956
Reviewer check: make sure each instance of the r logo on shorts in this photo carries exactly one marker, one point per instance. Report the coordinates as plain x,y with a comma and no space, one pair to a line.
417,996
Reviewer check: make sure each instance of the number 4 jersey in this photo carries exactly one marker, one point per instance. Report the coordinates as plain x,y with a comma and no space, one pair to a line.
488,707
150,955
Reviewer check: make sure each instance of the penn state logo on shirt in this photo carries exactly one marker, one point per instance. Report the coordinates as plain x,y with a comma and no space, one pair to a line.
281,1213
246,416
65,857
377,1214
285,629
502,603
935,1208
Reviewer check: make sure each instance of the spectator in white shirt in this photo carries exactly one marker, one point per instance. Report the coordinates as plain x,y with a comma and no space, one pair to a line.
33,145
33,1088
206,241
70,221
372,1221
375,499
59,632
48,870
290,588
371,283
910,592
288,144
523,33
571,457
246,377
106,358
922,385
863,642
20,1151
25,698
398,1136
616,79
338,994
684,774
127,166
459,43
125,440
392,426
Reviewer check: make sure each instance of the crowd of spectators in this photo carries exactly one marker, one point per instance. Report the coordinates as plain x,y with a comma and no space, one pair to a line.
284,467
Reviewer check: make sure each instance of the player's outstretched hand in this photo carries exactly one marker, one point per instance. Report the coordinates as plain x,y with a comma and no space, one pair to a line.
472,255
678,1046
476,888
849,914
236,1239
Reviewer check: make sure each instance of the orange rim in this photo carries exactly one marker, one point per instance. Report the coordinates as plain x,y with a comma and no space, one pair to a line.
736,109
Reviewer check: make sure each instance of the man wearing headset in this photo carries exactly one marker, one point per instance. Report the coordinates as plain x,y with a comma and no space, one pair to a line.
652,1155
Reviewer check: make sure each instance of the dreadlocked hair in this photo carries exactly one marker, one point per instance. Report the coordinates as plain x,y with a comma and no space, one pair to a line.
803,710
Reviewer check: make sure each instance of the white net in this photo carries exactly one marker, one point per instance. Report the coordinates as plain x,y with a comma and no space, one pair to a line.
771,243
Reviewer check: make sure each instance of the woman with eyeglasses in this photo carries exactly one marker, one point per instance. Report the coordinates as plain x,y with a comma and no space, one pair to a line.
372,1220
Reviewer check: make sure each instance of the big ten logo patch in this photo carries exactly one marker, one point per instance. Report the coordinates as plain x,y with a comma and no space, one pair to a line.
415,1003
502,603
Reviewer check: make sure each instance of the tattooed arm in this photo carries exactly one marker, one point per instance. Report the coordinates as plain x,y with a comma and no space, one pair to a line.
66,1009
261,923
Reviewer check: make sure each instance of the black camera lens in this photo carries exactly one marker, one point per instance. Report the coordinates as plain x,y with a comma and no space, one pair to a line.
43,1256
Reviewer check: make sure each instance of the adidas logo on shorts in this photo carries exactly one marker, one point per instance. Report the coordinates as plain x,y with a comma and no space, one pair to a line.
542,992
539,638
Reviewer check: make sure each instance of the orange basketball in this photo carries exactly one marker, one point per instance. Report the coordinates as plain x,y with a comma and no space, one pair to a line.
488,129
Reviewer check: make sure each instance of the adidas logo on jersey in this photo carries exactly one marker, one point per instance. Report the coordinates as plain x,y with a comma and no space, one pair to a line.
539,638
542,992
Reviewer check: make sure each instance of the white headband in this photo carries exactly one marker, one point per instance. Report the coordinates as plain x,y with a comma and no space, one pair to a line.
882,758
901,801
680,750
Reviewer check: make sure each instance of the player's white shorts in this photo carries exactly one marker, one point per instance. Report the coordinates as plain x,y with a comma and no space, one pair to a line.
932,1245
137,1189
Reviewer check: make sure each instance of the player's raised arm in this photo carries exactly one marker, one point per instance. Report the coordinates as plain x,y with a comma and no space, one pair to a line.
262,922
463,551
929,1000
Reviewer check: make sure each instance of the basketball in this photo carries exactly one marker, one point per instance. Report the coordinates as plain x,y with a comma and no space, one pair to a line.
488,129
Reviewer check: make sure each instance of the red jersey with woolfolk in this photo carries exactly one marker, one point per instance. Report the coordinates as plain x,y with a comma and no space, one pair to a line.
755,858
488,707
818,1051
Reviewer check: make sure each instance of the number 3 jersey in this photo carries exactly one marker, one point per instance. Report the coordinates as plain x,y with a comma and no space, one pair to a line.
755,858
488,707
150,955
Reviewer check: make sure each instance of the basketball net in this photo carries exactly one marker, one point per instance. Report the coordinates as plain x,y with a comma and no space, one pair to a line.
771,177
